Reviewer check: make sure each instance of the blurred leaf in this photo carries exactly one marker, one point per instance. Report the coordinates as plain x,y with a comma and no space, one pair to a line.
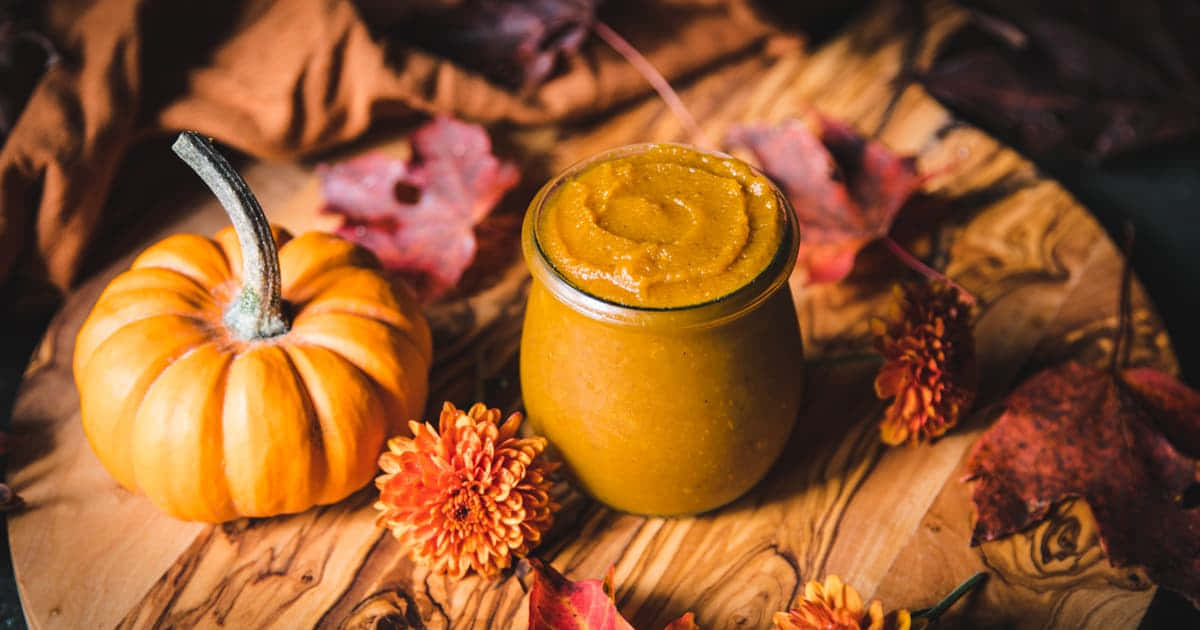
515,43
1069,79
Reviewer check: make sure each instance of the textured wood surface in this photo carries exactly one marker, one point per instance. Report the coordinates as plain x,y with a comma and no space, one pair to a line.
893,522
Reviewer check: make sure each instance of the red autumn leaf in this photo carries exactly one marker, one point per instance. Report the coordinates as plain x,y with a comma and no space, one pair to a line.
686,622
419,216
556,603
1125,442
844,188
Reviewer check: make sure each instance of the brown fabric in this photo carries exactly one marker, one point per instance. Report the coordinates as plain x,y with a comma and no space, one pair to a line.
276,79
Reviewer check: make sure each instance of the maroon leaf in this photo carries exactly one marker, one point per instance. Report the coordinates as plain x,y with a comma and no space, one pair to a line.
1176,403
515,43
1123,443
419,217
844,188
1067,80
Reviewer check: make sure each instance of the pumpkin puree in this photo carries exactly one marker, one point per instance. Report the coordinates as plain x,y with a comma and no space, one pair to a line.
661,397
667,227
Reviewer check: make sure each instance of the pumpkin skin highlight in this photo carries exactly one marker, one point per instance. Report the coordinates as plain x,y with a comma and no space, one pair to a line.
212,426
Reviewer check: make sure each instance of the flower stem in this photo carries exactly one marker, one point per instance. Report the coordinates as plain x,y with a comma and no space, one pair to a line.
655,79
925,270
932,614
257,311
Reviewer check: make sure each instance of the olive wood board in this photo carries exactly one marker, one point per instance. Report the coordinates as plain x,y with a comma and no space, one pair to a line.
893,522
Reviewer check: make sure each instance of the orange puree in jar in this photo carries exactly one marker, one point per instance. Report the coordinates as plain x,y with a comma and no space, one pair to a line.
665,227
661,354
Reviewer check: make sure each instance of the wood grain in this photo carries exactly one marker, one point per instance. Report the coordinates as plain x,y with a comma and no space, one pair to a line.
893,522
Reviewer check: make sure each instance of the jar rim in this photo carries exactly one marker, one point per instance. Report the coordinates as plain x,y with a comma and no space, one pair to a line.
773,276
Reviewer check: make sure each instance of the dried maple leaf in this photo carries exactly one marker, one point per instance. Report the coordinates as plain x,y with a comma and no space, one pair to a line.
1124,441
419,217
516,43
556,603
844,188
1070,80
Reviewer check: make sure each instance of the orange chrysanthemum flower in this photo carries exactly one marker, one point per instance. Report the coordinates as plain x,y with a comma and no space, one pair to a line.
929,362
467,495
835,605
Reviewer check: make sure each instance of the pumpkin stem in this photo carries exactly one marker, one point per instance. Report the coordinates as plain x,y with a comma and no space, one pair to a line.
257,311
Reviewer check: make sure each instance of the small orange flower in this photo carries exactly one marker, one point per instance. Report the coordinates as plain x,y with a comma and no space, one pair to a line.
835,605
473,496
929,363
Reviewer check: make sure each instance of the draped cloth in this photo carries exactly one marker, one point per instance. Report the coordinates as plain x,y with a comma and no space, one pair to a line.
276,79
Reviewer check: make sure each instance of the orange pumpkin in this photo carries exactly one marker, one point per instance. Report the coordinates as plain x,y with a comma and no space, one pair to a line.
225,378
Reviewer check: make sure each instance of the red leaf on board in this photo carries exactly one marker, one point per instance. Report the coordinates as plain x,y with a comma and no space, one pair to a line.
845,189
686,622
1126,443
556,603
419,216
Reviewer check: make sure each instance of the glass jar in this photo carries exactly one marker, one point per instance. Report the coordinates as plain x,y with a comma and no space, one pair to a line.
662,410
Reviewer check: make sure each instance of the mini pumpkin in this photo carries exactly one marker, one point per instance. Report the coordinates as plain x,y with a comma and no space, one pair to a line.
226,378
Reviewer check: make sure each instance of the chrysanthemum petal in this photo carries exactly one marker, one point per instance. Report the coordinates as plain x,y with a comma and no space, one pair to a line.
468,494
929,363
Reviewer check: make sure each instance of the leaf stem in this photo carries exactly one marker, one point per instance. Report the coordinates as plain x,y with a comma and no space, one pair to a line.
655,79
934,613
925,270
257,310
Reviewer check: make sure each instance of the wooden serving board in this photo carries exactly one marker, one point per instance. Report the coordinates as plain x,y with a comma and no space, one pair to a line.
893,522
